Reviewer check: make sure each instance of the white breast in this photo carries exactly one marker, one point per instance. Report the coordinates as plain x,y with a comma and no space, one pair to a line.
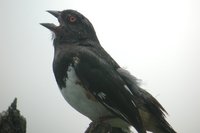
76,96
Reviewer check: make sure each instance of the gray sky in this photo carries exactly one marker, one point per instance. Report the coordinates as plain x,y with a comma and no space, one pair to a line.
158,41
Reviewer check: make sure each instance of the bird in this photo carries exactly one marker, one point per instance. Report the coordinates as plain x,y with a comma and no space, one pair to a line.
93,83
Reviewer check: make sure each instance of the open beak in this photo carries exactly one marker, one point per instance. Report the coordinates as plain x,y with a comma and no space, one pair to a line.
51,26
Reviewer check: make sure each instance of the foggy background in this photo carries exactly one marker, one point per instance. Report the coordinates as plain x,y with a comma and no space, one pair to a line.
157,41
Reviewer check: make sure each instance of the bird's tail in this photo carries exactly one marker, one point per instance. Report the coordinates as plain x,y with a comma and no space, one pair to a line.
155,114
164,130
162,127
152,112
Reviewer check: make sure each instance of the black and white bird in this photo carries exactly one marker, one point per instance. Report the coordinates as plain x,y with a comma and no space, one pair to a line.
94,84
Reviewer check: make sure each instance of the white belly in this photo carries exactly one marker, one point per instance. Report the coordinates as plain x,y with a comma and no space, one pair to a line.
76,96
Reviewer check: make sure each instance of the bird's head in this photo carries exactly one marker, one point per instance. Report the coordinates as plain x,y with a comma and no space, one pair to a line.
73,27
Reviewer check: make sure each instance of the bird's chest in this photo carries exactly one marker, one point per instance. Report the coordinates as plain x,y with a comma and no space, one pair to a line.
81,99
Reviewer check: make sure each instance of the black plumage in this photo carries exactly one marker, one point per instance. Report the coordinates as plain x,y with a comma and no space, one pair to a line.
83,69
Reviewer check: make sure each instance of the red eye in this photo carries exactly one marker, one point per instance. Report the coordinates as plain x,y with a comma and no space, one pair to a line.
72,19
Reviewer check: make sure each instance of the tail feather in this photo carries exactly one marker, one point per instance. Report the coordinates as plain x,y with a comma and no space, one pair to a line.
154,118
157,122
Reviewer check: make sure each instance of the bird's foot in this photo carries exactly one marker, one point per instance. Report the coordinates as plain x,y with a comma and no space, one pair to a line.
104,125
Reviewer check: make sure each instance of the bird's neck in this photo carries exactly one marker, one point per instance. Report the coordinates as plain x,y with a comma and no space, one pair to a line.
68,40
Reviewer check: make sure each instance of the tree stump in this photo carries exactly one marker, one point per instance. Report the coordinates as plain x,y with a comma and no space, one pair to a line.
11,121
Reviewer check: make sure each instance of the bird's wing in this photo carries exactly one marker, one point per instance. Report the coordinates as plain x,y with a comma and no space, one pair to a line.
143,95
104,82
